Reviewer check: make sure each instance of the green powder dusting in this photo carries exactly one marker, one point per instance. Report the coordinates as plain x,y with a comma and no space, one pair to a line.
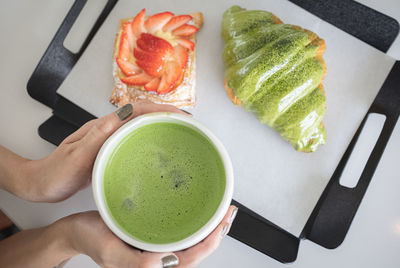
273,70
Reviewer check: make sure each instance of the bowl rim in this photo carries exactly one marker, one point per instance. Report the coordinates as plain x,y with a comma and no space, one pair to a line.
103,157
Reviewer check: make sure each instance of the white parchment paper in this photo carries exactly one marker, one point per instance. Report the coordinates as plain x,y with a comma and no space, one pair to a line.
271,178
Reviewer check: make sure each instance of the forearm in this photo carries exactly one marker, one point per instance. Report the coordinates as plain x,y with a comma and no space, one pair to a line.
42,247
12,169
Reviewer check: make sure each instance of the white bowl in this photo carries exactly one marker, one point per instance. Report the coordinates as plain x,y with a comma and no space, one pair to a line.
114,140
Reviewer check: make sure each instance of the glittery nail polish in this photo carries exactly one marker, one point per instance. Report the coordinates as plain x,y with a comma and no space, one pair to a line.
225,230
233,215
124,112
170,261
185,111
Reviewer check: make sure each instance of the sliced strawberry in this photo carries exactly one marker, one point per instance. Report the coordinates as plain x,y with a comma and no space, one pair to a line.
185,30
137,23
127,29
185,43
151,43
171,76
124,51
176,22
141,55
181,55
158,66
151,63
151,68
153,84
151,54
127,68
157,21
137,79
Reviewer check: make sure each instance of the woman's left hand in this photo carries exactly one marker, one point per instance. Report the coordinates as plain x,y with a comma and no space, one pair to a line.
86,233
68,169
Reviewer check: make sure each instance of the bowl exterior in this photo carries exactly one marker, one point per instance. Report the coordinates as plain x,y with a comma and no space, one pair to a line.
113,141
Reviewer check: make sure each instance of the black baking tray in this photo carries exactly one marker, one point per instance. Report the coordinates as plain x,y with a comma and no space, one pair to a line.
331,218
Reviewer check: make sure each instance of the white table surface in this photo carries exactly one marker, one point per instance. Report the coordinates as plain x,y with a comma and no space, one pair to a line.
26,29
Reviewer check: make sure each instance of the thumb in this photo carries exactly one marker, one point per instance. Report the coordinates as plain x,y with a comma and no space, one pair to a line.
159,260
169,261
102,129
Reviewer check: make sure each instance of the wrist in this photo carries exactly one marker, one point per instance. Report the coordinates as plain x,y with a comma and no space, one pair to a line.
24,183
14,175
34,185
60,238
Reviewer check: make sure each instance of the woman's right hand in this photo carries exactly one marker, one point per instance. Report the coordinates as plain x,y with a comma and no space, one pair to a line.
68,169
86,233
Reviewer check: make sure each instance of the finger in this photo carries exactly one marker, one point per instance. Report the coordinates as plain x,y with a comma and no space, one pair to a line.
141,107
122,256
93,238
103,127
80,133
144,107
158,260
197,253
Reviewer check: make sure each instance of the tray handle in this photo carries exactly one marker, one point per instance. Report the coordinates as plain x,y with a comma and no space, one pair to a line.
257,232
58,61
367,24
331,218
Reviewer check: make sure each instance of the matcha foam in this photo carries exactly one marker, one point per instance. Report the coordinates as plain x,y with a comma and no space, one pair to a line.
163,182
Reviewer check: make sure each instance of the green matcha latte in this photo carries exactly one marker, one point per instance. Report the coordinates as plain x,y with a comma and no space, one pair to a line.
163,182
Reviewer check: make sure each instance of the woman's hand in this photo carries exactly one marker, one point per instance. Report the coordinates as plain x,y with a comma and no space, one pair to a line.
68,169
87,234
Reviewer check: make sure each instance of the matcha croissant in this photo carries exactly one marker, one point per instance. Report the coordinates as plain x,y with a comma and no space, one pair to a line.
275,70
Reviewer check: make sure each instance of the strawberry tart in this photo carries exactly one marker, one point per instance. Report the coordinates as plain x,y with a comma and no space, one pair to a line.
154,59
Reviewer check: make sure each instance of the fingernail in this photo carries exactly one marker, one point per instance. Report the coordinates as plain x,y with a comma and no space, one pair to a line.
124,112
170,261
224,231
233,215
185,111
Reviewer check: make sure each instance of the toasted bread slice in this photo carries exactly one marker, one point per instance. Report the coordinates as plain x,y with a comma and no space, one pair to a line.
182,96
